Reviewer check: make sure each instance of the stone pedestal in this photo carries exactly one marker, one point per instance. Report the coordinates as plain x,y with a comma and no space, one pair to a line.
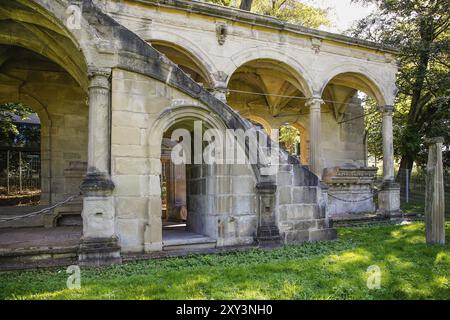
389,200
350,189
99,244
267,232
434,194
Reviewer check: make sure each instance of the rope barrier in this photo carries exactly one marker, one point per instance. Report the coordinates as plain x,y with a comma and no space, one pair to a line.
42,211
351,200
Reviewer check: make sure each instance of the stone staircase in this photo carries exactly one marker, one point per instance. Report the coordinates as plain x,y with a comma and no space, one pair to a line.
302,204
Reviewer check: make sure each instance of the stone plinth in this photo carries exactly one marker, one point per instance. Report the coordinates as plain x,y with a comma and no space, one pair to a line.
350,190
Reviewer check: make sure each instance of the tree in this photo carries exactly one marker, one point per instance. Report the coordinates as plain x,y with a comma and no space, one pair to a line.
246,5
292,11
289,138
11,132
420,30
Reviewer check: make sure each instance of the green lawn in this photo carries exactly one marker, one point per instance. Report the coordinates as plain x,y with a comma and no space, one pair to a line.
327,270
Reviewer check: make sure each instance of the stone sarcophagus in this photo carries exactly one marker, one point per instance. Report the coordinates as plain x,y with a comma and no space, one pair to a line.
350,189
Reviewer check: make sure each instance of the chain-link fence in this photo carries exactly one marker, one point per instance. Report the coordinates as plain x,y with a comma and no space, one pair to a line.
20,170
412,190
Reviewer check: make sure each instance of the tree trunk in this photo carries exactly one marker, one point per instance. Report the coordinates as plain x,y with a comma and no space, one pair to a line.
246,5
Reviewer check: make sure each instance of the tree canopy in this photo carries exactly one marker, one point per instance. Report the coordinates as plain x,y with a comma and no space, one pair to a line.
292,11
420,30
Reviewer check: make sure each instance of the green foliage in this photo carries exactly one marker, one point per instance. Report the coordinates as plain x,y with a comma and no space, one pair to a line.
13,134
289,138
293,11
410,269
420,30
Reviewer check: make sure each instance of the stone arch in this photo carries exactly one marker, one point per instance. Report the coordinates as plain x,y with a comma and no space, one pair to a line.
202,60
294,66
171,116
358,78
216,175
304,142
263,122
39,26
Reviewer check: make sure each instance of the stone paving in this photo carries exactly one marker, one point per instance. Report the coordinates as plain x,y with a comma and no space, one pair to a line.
38,238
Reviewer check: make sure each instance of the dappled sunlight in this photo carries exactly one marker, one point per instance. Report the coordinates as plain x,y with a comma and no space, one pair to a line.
442,282
321,270
443,257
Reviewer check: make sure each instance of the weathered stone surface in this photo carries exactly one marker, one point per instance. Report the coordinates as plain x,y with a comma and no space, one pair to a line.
434,194
114,114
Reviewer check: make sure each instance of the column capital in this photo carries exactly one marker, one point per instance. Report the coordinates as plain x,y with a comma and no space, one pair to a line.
314,102
386,109
434,140
99,77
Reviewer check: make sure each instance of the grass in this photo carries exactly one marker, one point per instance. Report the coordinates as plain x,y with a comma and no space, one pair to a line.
410,269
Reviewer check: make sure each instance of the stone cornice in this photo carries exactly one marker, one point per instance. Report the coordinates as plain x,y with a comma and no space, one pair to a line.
235,14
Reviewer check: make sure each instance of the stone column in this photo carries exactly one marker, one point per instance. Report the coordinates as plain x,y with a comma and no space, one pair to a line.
389,195
99,244
434,194
314,135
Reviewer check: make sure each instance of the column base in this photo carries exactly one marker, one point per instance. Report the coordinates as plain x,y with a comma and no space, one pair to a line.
99,252
389,201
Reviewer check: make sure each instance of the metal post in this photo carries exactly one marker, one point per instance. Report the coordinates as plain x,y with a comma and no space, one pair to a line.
7,172
20,171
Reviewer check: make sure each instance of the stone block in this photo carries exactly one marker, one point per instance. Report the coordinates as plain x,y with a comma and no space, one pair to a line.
285,195
126,135
133,166
131,185
306,195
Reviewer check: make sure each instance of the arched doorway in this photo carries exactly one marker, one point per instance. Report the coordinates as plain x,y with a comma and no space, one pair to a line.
42,67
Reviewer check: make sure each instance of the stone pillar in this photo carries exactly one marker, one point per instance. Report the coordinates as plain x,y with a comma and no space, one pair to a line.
267,232
434,193
389,195
99,244
314,135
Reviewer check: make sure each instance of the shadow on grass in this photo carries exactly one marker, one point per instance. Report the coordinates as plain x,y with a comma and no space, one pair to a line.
410,269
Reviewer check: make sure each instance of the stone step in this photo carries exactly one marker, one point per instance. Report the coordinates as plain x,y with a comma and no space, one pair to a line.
33,247
193,242
19,259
